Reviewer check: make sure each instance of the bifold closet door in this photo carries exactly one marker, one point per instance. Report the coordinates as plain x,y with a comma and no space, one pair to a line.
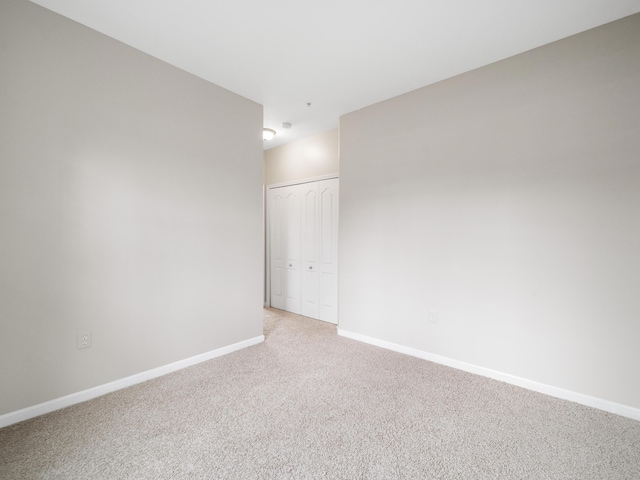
309,248
319,242
284,213
328,196
276,247
304,249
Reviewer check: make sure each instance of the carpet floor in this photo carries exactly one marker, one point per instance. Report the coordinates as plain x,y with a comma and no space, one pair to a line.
308,404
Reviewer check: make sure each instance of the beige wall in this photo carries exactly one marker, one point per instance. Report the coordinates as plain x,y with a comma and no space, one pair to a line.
130,206
507,199
309,157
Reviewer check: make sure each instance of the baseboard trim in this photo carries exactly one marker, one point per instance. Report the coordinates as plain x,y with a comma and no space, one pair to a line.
601,404
84,395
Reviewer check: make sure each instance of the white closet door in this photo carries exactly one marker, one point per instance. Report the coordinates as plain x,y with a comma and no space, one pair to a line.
303,223
277,247
284,247
310,235
328,195
292,202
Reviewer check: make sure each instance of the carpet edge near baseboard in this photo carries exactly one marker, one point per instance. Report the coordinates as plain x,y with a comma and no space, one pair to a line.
94,392
581,398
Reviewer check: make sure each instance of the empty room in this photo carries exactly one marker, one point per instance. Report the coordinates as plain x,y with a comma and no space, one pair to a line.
428,266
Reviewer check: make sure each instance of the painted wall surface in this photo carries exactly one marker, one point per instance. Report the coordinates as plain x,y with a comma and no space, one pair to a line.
508,200
309,157
130,206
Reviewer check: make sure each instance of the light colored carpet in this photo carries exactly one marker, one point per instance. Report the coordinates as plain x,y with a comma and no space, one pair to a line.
309,404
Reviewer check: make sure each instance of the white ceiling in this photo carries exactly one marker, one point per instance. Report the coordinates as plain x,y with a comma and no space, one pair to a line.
338,55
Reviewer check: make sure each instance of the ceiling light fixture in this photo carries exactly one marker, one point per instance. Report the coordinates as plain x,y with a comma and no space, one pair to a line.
268,134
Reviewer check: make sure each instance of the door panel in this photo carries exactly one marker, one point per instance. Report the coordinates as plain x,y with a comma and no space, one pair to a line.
304,249
328,291
276,248
328,285
292,249
309,293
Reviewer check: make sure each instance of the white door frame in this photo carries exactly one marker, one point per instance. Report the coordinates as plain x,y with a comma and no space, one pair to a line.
267,236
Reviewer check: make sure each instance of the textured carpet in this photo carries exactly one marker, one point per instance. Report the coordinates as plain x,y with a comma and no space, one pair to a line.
309,404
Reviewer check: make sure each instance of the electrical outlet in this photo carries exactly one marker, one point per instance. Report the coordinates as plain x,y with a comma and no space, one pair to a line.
433,316
84,340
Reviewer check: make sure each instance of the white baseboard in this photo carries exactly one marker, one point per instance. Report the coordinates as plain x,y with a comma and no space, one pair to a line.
78,397
607,406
